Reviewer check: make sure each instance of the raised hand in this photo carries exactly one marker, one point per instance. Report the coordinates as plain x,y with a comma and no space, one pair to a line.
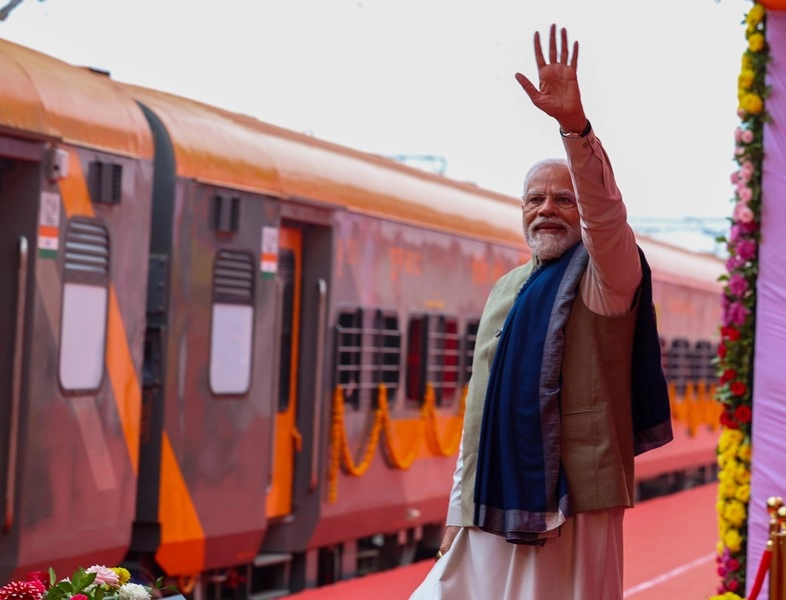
558,94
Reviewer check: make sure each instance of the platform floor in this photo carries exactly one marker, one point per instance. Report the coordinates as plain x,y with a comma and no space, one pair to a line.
669,553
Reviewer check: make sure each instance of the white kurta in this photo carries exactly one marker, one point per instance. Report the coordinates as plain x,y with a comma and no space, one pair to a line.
584,563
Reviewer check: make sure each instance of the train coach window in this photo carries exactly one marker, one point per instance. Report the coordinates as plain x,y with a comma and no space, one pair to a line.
703,367
678,362
232,323
432,358
349,354
470,336
83,325
387,351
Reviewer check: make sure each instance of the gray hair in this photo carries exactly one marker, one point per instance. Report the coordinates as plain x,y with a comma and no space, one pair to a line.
541,164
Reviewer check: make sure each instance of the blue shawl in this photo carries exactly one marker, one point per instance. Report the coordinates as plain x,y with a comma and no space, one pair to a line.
520,487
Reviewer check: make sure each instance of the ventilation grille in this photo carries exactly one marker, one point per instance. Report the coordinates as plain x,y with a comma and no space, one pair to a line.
87,251
106,182
233,278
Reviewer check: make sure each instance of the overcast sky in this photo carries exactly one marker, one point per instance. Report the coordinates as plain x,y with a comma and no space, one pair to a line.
435,78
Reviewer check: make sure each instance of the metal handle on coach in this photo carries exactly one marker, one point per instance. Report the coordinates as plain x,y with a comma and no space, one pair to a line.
318,391
16,385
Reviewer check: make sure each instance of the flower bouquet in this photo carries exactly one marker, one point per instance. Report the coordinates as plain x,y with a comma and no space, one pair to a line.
95,583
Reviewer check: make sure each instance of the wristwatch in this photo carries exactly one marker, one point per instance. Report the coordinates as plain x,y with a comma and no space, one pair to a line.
574,135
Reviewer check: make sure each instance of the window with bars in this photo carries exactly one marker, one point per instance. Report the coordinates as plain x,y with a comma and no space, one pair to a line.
349,354
368,352
433,358
232,323
470,337
387,351
83,326
703,367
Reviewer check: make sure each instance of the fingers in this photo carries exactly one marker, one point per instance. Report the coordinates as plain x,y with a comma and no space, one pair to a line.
553,44
447,539
575,62
539,60
527,85
563,56
564,53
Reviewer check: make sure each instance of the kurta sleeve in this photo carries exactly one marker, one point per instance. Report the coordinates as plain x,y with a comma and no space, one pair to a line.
614,271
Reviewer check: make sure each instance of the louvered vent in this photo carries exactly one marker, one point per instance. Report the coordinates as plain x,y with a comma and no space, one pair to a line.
86,252
233,277
106,182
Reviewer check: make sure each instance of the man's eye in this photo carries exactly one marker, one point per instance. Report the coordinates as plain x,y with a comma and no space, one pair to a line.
565,201
535,200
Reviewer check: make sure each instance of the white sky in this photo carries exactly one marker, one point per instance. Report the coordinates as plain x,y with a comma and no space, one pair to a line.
435,77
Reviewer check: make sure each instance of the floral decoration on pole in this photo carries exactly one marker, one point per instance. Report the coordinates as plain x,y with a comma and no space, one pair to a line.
738,301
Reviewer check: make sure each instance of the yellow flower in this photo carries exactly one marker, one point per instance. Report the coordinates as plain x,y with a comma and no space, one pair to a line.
742,475
747,61
743,493
746,78
727,489
720,506
752,104
755,15
745,453
733,540
735,513
123,575
756,42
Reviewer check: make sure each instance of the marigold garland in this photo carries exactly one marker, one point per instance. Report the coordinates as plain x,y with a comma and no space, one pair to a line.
735,351
425,426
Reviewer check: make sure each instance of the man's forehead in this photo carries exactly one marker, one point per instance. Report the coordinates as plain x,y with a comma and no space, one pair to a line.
555,177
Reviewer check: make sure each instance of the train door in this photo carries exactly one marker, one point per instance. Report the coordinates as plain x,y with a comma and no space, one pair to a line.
19,182
287,439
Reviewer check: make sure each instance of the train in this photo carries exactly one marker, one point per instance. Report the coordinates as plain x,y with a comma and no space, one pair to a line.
235,355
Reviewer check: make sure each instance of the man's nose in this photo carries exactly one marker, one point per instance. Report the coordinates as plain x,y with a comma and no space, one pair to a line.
548,206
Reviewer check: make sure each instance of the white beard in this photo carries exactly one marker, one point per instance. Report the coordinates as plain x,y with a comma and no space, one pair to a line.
548,246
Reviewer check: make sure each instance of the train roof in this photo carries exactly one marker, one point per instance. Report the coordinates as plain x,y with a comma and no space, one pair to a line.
682,267
225,148
48,99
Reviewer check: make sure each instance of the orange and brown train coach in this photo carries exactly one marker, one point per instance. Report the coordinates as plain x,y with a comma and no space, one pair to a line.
235,355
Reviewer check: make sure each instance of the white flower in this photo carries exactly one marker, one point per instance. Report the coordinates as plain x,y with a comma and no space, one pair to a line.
133,591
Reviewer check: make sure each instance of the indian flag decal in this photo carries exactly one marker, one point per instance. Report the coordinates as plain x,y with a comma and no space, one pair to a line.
268,258
49,225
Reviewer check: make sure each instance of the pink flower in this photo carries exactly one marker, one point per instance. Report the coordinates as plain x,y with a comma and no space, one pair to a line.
747,170
745,194
743,213
736,314
734,262
721,571
739,150
22,590
733,563
746,249
732,585
79,597
738,134
738,284
746,136
104,575
736,177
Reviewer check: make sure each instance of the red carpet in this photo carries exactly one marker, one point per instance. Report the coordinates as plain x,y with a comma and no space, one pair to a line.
669,553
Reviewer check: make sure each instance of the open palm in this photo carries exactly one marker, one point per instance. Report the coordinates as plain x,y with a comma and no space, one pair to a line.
558,94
